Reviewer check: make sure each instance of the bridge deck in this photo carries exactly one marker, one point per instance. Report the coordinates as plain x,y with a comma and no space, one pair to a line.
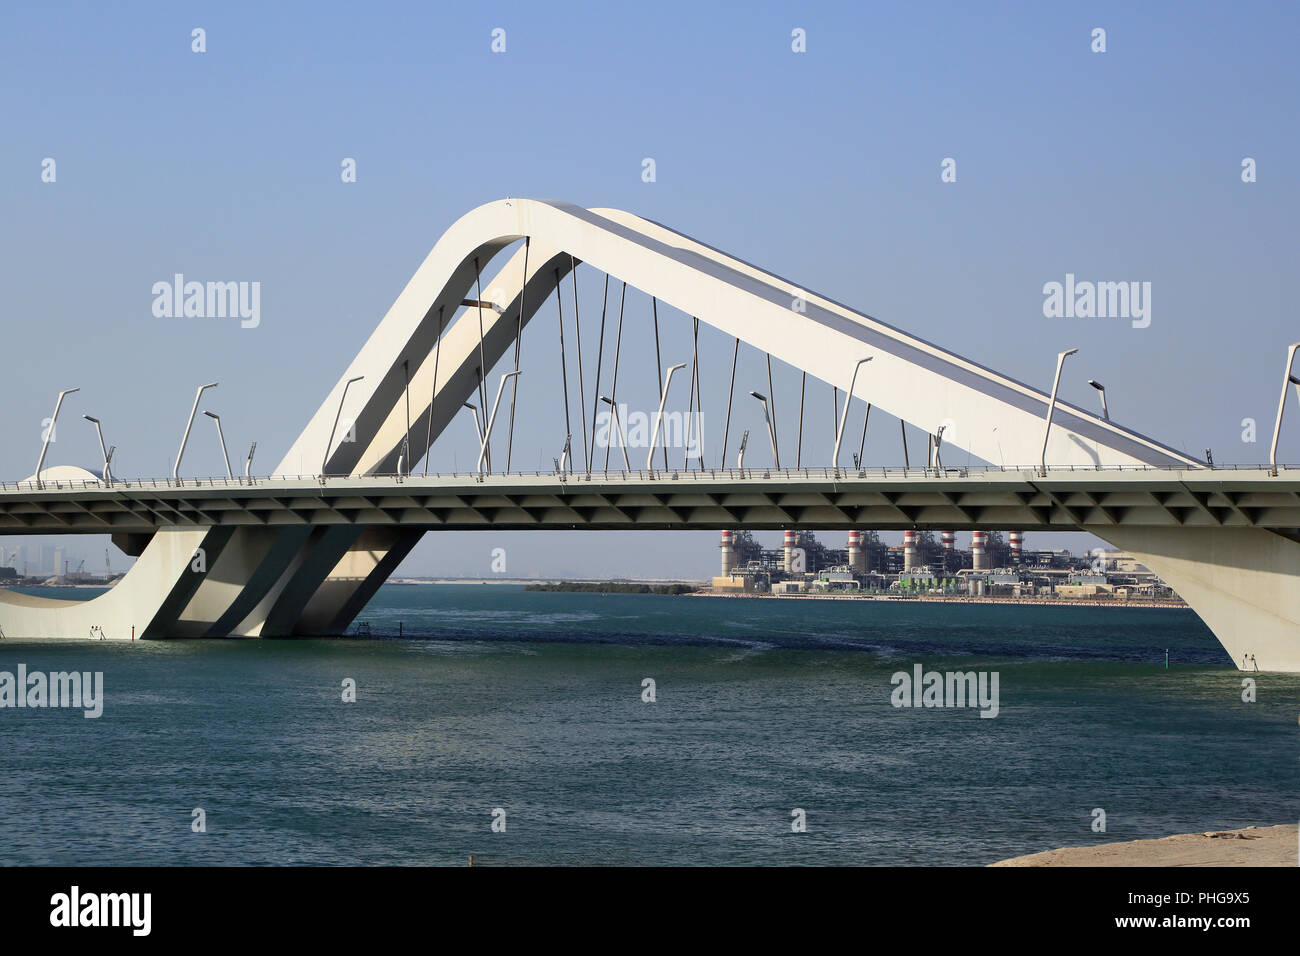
814,499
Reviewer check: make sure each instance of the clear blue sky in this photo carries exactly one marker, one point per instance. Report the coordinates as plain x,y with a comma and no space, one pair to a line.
225,166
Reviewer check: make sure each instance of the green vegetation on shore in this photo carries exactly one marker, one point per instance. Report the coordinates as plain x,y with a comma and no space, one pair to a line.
613,587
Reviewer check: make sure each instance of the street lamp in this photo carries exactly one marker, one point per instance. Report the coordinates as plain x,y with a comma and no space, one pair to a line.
1051,408
1105,412
176,468
487,434
337,415
771,435
478,426
49,433
848,398
663,398
1288,379
221,438
108,455
622,439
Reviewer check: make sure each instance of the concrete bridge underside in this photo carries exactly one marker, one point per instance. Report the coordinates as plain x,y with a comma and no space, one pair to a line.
307,567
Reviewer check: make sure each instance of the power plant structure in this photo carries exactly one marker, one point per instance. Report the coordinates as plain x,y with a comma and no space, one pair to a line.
991,567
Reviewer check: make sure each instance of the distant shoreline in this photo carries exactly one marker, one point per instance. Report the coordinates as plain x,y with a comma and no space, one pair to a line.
916,599
548,581
617,586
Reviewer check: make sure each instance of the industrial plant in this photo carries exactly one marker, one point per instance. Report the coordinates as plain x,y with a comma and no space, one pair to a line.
993,567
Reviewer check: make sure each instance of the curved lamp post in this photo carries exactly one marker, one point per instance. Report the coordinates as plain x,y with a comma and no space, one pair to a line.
347,385
221,438
176,468
49,433
103,450
487,432
1287,379
848,399
1105,412
1051,408
663,398
622,439
771,435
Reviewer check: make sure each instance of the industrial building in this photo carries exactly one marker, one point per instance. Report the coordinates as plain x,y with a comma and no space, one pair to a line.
993,566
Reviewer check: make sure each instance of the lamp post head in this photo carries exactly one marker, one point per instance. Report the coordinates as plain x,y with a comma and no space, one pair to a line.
1097,385
211,415
1067,352
761,398
91,418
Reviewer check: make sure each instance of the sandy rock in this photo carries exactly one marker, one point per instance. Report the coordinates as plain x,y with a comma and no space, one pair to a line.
1249,846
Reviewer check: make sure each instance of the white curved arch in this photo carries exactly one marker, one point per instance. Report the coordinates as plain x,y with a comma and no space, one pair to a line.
910,378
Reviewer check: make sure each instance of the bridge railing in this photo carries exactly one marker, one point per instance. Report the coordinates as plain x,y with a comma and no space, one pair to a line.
602,477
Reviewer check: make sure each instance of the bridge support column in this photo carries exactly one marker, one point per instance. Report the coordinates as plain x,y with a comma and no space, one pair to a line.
145,602
354,580
1243,582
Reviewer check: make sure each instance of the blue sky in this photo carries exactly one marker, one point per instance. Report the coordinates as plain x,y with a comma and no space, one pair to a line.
821,166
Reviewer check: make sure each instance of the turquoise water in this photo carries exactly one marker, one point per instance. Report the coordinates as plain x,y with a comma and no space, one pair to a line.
531,702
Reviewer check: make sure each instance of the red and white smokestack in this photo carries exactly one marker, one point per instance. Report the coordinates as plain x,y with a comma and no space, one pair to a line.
791,542
949,540
909,550
1017,545
857,559
978,560
728,554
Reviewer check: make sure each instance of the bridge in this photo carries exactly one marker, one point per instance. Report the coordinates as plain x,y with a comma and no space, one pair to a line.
288,554
951,499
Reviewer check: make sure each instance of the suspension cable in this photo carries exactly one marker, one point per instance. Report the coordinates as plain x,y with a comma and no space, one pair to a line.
835,411
600,354
428,438
699,398
582,400
771,401
731,391
659,368
690,402
798,452
564,365
613,389
482,364
863,444
519,334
